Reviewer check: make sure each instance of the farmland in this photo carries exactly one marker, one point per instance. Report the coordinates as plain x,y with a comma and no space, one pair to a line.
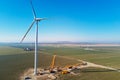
14,61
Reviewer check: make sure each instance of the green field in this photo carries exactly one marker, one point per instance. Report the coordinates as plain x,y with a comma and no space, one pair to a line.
108,56
14,61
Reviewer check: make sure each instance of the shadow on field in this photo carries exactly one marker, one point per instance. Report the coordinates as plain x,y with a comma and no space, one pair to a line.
97,71
92,70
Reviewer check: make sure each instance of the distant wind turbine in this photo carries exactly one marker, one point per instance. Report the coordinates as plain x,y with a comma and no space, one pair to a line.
36,38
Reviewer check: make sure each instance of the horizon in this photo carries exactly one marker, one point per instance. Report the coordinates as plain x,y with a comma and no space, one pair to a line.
67,20
61,42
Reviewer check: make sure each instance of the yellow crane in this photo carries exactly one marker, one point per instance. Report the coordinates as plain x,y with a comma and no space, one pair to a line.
53,62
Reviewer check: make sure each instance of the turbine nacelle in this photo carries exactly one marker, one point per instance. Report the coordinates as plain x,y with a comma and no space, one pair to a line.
39,19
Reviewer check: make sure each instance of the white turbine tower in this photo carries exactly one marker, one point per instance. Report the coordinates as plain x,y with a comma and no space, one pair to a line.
36,37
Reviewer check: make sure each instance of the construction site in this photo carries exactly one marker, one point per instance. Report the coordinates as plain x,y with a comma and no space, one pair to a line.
53,71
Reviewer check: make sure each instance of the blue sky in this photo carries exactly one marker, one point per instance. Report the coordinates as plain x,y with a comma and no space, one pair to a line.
67,20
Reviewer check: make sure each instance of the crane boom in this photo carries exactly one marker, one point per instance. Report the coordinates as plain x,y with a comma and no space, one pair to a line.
53,62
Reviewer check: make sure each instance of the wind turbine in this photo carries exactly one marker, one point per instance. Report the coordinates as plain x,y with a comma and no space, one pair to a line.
35,20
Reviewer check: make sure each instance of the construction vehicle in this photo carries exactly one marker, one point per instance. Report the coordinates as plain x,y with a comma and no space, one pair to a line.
54,69
63,70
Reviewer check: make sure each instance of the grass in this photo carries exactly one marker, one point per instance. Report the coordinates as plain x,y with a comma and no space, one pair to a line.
108,56
7,50
14,61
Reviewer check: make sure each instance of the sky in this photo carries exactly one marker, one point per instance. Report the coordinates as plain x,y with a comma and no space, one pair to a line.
67,20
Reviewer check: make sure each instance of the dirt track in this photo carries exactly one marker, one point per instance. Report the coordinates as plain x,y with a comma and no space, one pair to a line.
89,64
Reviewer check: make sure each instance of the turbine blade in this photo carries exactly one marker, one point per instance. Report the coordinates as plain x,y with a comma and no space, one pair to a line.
33,10
27,31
